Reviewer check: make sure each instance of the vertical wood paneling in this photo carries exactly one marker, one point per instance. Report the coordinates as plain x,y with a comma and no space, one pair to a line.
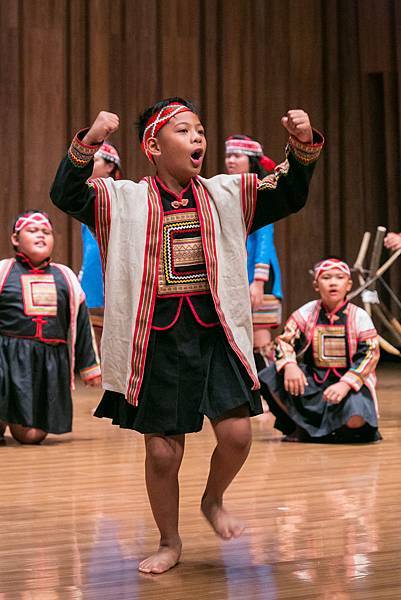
352,141
305,68
11,127
140,79
244,63
77,102
43,93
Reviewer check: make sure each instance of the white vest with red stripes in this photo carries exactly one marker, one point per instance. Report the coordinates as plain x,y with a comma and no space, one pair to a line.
129,219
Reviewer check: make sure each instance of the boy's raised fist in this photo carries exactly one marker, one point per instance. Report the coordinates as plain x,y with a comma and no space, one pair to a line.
104,125
297,124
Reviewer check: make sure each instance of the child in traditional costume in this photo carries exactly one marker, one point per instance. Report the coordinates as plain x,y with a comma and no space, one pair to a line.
322,386
45,335
177,337
245,155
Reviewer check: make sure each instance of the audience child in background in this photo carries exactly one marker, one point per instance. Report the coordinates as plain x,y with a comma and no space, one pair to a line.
245,155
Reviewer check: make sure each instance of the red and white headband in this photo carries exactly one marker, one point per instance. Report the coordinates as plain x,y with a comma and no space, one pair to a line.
331,263
108,152
246,146
158,120
35,218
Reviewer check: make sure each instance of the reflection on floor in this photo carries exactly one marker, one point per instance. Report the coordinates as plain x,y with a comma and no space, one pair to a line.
322,521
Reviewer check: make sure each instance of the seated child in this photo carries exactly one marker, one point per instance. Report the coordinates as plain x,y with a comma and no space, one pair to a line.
322,385
42,307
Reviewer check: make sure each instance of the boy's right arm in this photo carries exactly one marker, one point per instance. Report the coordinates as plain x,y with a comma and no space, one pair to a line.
70,191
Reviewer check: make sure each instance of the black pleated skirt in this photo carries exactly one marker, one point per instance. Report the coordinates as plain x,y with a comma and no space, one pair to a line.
35,384
310,411
190,372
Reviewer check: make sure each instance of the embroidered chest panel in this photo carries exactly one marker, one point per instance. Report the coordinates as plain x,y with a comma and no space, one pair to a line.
182,267
39,294
330,346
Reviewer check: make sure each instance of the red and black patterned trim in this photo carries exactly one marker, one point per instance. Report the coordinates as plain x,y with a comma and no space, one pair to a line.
146,305
306,153
81,154
102,217
248,197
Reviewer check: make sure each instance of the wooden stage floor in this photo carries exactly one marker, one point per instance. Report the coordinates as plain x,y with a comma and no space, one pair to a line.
323,522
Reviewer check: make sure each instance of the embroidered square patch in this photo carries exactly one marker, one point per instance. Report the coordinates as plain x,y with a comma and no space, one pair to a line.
182,268
39,294
329,346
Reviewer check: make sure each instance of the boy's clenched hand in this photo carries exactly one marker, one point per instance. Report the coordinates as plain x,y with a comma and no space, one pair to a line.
297,124
104,125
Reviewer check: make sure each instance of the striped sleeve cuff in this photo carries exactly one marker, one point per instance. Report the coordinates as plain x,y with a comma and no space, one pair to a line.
283,362
354,380
81,154
306,153
90,372
261,272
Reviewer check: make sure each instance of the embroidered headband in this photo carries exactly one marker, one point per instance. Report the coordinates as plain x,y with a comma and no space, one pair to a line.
246,146
249,147
108,152
331,263
157,121
35,218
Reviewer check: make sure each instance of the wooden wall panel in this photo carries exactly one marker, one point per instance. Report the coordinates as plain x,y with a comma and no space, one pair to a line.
11,127
244,63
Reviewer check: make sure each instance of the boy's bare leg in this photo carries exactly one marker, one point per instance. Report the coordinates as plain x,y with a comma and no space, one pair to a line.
163,460
234,437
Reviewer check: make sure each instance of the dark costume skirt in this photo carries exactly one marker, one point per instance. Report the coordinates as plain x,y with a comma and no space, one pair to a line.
190,372
311,412
35,384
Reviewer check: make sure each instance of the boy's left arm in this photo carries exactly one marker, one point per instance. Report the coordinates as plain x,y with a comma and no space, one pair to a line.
363,363
86,359
286,190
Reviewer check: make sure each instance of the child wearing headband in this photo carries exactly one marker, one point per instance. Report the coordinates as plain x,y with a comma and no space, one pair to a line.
44,335
322,386
245,155
177,336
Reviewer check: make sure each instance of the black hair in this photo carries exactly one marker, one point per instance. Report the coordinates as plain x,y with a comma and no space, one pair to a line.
330,256
148,112
28,211
254,163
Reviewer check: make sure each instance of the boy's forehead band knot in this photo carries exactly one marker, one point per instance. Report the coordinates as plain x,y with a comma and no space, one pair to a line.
246,146
331,263
158,120
32,219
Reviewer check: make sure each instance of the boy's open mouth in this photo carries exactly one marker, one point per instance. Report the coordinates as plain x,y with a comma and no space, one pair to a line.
196,155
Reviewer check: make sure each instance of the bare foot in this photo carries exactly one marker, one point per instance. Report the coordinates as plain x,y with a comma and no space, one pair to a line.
225,525
161,561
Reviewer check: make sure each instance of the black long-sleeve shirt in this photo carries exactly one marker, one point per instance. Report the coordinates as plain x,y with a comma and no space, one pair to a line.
277,197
